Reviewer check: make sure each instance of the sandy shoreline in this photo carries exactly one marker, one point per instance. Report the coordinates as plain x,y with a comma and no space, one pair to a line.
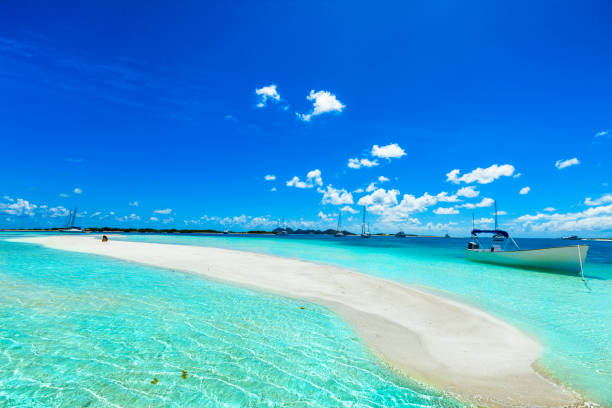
439,341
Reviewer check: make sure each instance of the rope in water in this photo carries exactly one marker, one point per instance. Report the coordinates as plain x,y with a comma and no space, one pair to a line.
580,259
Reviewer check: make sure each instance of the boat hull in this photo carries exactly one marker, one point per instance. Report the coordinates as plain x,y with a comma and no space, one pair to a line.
566,259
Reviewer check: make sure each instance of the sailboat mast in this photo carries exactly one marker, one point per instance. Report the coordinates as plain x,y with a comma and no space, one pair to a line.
495,214
339,221
363,223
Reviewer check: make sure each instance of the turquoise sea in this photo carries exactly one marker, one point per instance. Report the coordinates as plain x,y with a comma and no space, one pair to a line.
89,330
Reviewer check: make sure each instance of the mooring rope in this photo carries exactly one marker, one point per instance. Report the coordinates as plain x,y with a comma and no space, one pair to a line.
580,259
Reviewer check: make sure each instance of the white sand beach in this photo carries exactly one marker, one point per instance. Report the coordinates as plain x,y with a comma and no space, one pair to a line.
435,340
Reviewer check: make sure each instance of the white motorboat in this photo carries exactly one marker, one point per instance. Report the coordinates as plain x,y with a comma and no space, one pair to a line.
565,259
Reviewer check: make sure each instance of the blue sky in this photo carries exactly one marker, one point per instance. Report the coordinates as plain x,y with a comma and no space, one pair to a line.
185,108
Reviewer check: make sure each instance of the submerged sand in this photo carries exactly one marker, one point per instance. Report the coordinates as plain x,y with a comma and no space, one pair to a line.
439,341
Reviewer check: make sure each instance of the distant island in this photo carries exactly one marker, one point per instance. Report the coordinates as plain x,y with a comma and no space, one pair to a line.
276,231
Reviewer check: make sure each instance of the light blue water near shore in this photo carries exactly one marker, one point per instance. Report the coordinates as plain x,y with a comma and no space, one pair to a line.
79,330
571,318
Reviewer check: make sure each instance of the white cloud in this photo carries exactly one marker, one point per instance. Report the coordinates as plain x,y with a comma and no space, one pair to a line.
77,190
382,179
485,202
446,210
125,218
591,219
336,196
134,204
444,197
349,209
524,190
501,213
517,175
267,93
550,209
359,190
168,220
468,191
19,208
165,211
324,217
561,164
153,219
358,163
324,102
480,175
389,151
7,198
602,133
313,178
95,214
606,198
64,195
371,187
273,189
482,221
269,177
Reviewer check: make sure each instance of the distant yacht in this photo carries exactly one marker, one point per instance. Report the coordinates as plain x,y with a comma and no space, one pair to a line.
339,232
400,234
69,224
446,235
572,237
365,233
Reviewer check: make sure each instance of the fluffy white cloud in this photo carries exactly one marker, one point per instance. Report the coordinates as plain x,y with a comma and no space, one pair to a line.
349,209
602,133
125,218
267,93
444,197
561,164
335,196
480,175
358,163
607,198
550,209
371,187
165,211
77,190
524,190
359,190
382,179
134,204
389,151
485,202
313,178
273,189
446,210
501,213
591,219
324,102
269,177
19,208
468,192
385,203
64,195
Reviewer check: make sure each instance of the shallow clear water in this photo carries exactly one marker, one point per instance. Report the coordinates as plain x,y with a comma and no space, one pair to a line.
81,330
571,318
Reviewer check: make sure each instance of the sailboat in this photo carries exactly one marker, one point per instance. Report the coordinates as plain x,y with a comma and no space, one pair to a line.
282,228
339,232
69,224
365,233
565,259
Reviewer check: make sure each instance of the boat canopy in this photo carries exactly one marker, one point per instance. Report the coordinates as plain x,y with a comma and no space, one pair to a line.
496,231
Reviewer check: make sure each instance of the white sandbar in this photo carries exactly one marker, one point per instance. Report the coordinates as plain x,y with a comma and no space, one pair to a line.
458,348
